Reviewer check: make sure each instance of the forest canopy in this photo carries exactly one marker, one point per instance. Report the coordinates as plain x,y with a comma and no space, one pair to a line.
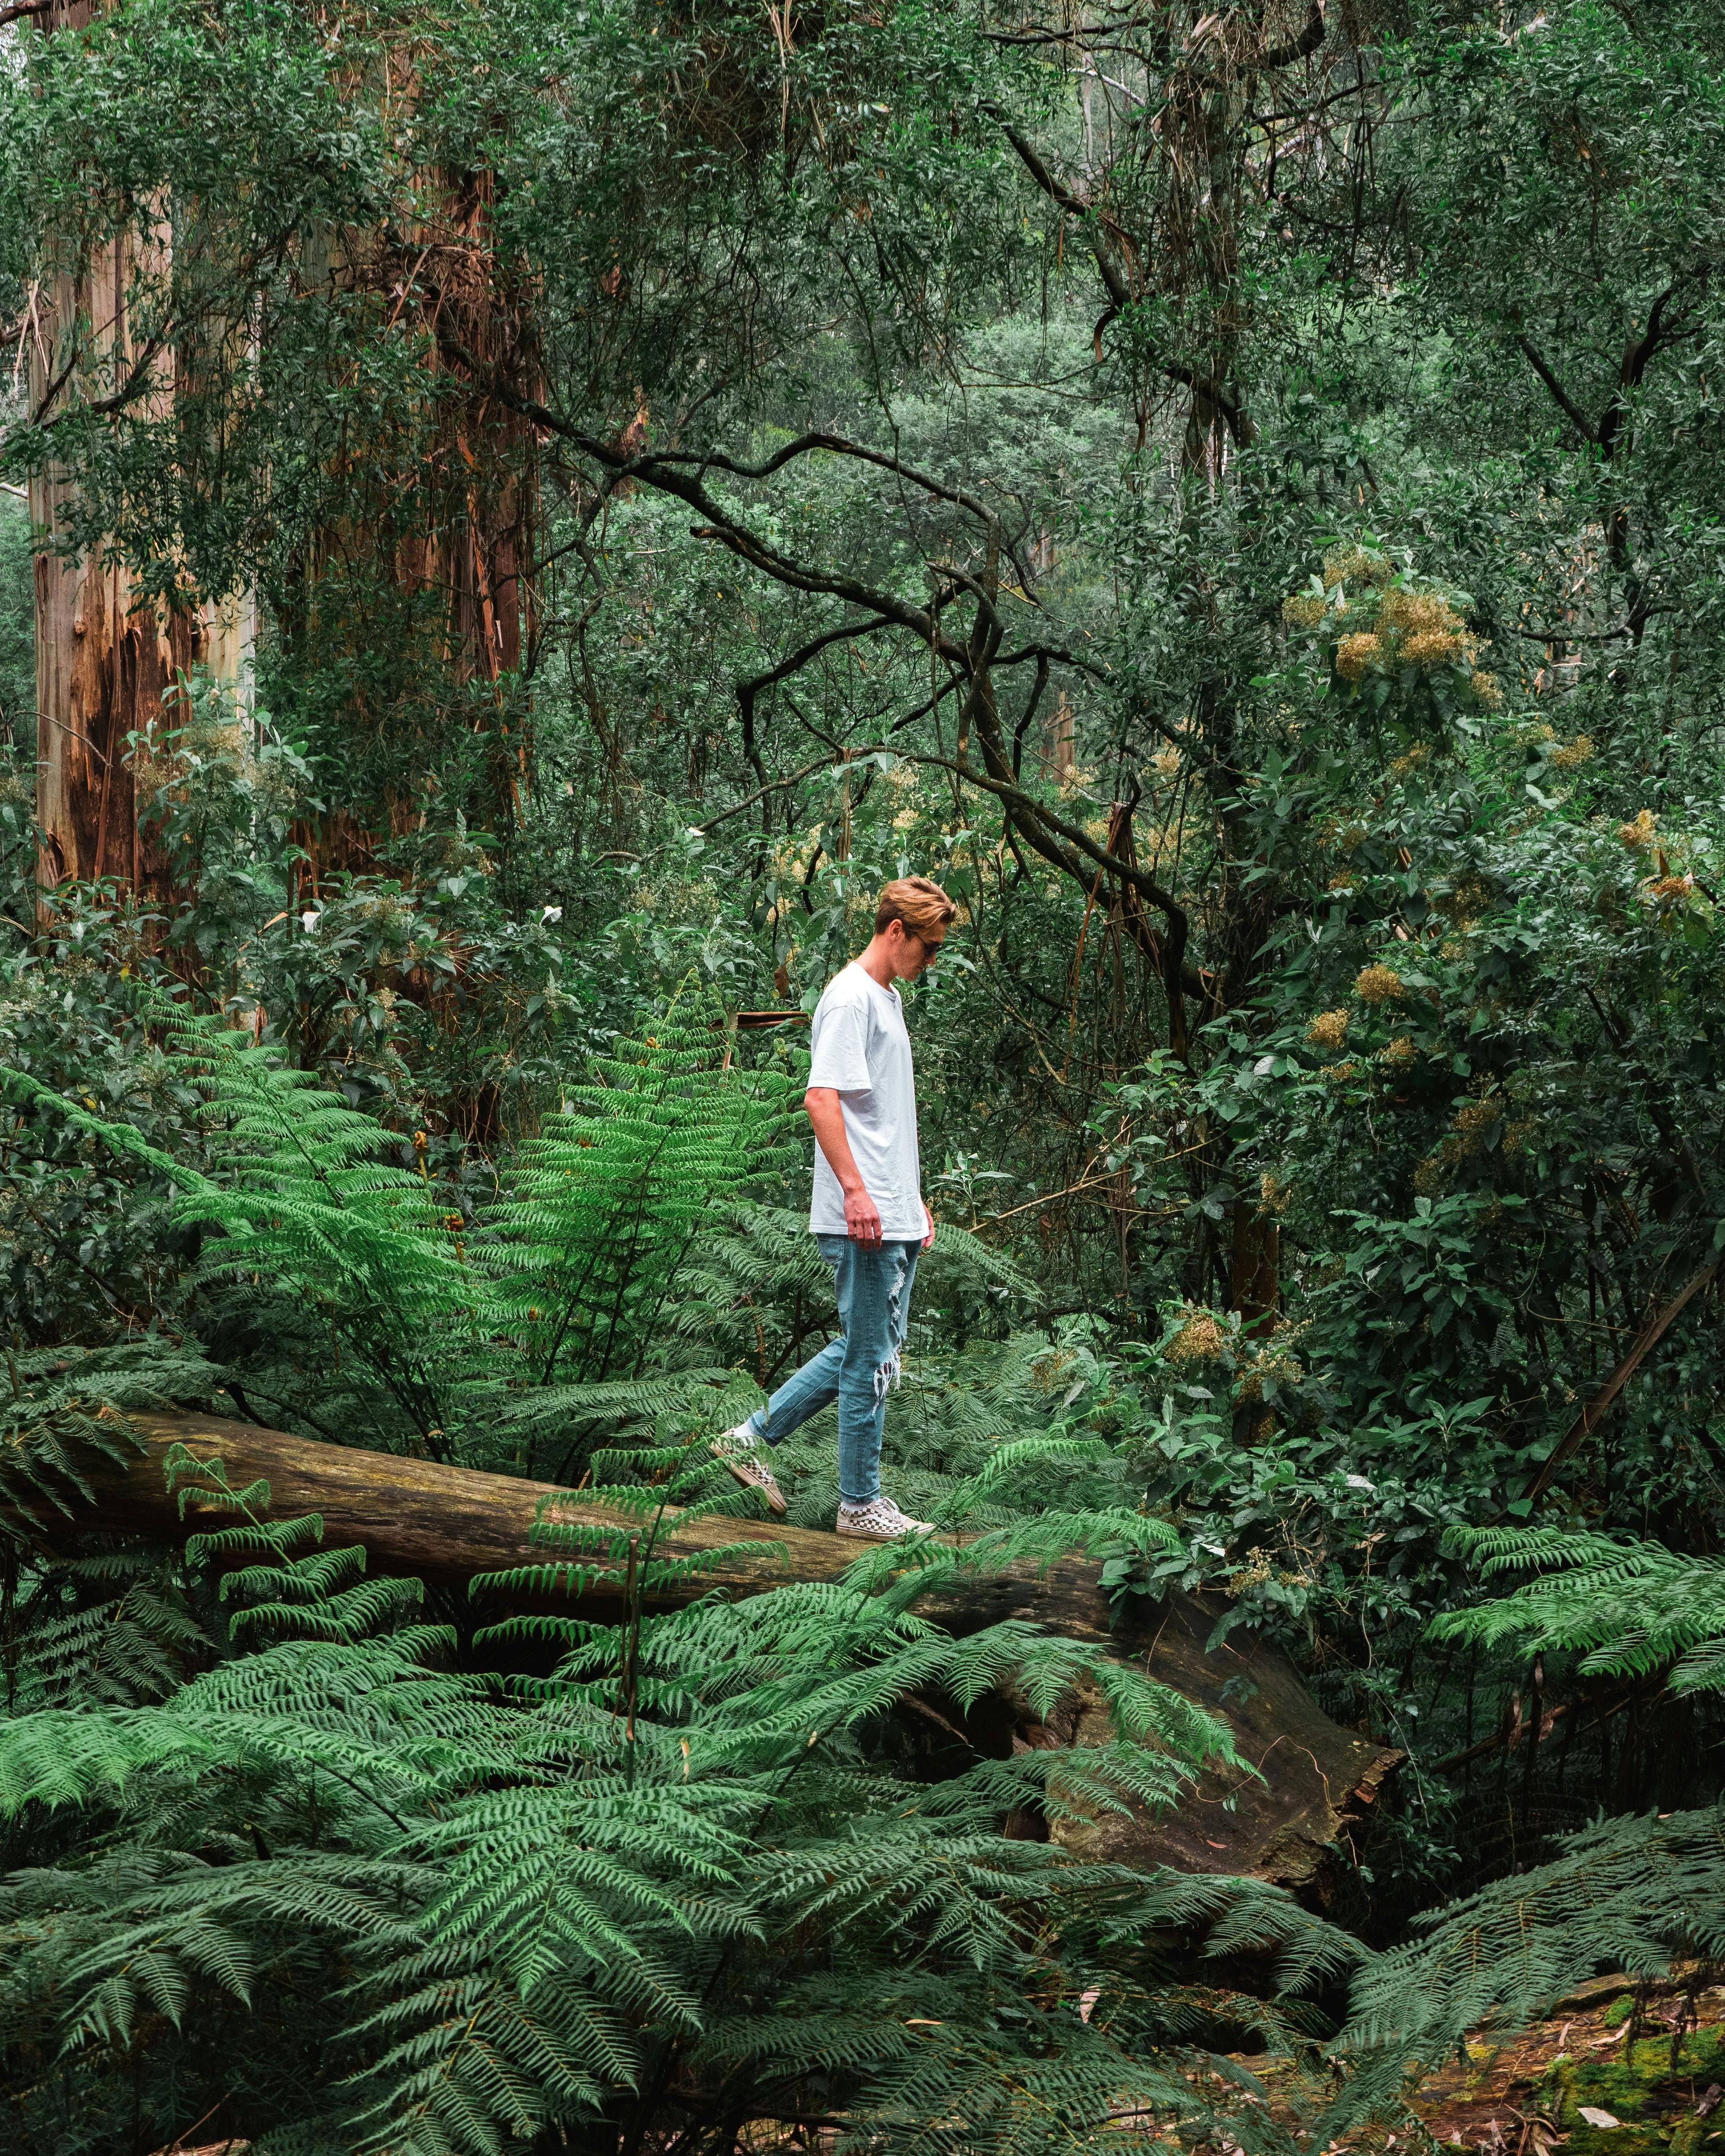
514,524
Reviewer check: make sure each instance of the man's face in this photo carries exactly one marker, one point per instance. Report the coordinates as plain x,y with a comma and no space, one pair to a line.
912,953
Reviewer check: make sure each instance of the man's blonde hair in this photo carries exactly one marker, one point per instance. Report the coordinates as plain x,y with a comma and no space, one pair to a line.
918,902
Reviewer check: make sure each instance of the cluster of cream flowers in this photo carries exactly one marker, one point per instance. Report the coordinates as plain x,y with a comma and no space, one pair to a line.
1381,624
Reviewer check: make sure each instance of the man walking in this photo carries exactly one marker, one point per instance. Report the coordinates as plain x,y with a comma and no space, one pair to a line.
867,1214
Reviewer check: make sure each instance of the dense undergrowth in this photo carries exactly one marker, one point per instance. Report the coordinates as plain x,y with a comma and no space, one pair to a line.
1239,502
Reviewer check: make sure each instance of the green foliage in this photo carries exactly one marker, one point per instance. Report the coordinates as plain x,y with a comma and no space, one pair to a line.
1630,1609
1631,1893
1319,1093
309,1206
603,1206
618,1897
557,1292
60,1408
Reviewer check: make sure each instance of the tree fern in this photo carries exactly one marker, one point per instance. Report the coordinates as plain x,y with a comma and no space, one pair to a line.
597,1214
303,1208
1628,1608
115,1625
668,1883
113,1628
456,1330
1627,1894
59,1406
680,1874
307,1201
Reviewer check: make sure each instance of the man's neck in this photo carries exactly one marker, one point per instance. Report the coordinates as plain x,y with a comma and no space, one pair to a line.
876,962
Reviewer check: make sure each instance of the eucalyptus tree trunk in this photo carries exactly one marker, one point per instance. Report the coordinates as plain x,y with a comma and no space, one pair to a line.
428,559
110,659
424,562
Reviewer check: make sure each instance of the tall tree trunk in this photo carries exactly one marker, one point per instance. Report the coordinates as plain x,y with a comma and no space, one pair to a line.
109,659
434,574
1255,1265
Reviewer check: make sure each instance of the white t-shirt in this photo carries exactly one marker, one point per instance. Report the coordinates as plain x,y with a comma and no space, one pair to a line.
861,1049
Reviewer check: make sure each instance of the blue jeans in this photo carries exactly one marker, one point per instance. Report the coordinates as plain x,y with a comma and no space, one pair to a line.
873,1288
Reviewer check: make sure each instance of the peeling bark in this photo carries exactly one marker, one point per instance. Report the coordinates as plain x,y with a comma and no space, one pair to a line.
110,661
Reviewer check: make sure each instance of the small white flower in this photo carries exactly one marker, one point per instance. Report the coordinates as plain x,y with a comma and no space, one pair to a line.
552,913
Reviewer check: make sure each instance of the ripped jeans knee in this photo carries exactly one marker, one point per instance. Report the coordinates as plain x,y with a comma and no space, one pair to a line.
874,1295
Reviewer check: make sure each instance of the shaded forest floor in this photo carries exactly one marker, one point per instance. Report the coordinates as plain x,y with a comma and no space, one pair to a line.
1650,2058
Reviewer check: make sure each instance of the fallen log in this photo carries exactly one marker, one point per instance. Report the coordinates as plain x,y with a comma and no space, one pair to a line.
450,1524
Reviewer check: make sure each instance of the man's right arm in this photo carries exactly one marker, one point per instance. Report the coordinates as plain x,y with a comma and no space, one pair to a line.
862,1216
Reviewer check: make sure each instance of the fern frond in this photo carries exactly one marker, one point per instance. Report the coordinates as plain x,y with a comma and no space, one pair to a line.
1627,1894
600,1211
1629,1609
58,1406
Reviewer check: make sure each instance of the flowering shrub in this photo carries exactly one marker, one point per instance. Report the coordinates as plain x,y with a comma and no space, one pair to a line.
1401,645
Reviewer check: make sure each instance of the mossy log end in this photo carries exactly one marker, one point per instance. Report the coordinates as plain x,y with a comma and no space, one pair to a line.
449,1525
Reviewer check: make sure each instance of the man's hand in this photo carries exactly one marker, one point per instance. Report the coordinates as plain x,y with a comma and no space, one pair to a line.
862,1219
862,1215
928,1240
